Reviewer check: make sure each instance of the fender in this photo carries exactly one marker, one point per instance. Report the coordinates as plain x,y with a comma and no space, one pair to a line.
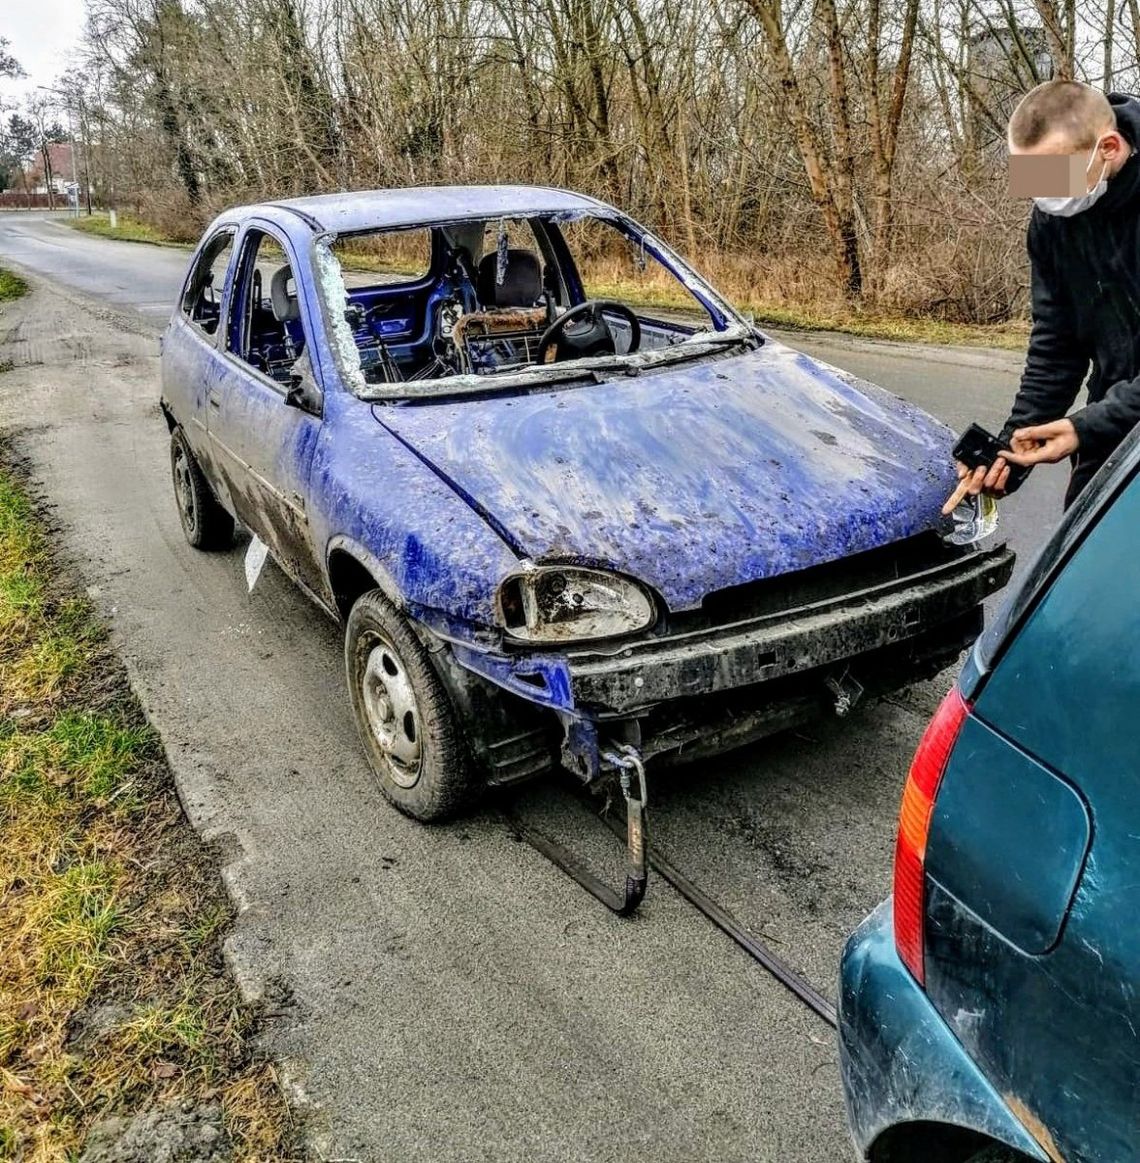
385,582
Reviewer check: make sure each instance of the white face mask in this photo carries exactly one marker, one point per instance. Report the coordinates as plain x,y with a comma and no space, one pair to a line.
1067,207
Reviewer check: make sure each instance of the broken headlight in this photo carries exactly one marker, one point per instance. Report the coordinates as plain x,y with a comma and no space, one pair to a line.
972,521
568,603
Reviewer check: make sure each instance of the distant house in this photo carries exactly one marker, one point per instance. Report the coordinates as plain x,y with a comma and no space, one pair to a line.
60,160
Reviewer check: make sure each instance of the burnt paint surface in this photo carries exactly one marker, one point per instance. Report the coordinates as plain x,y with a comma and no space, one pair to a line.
697,478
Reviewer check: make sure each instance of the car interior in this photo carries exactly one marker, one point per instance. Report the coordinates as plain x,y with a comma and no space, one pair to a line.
267,331
495,296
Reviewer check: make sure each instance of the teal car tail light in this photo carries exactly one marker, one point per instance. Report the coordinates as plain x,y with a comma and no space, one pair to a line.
922,783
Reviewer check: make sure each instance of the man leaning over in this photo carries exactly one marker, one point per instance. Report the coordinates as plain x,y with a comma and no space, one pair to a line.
1084,251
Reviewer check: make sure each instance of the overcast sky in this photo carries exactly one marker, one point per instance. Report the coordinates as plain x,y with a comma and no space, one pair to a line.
44,35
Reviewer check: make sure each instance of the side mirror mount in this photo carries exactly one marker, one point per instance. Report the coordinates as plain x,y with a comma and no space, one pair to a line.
303,392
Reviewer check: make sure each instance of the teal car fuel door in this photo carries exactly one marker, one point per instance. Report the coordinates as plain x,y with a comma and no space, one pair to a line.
1008,838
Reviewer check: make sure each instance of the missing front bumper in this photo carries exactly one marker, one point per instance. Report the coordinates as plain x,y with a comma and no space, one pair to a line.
711,690
775,646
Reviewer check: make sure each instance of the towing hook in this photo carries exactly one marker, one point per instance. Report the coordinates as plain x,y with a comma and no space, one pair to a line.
630,767
628,761
846,691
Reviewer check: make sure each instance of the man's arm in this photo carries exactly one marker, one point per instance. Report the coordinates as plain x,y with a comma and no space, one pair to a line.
1102,426
1097,428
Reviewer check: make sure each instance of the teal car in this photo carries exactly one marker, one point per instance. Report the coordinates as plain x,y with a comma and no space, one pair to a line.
990,1010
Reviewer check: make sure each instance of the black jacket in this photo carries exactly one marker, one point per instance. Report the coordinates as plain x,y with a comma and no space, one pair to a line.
1086,309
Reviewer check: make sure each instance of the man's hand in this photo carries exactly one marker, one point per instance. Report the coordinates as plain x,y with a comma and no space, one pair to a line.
990,480
1044,443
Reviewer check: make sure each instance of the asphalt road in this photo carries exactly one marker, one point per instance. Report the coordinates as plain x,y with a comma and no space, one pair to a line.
443,993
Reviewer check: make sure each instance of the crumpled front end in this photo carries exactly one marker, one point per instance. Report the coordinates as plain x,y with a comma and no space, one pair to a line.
753,661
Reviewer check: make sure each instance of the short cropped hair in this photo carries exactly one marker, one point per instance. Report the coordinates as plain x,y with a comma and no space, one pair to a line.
1079,111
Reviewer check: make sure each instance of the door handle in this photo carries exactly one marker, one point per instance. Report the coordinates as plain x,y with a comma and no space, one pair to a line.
214,399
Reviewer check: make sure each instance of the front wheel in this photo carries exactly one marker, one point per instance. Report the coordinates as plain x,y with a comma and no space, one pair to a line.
406,721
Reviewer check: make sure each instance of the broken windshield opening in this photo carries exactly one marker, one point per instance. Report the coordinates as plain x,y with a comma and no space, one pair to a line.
495,304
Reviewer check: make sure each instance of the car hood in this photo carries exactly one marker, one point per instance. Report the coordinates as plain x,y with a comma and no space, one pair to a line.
693,479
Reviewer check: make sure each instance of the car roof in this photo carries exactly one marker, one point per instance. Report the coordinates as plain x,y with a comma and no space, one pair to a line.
418,205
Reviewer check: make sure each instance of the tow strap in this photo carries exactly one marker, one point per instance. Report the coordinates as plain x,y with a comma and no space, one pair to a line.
629,764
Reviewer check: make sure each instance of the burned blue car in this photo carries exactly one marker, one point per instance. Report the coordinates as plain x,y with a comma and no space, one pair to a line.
557,526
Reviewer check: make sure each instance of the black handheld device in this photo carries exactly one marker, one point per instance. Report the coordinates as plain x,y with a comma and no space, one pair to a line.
977,448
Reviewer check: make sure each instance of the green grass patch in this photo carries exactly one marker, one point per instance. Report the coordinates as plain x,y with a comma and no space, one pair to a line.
77,911
94,752
18,533
128,229
11,285
110,903
166,1031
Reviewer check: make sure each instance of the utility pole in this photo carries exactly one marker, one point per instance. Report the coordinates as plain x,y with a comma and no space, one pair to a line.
85,137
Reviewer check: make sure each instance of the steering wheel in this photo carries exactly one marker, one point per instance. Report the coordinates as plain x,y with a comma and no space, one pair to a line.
583,331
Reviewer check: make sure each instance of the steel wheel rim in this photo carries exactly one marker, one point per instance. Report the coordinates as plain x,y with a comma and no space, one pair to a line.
184,488
392,711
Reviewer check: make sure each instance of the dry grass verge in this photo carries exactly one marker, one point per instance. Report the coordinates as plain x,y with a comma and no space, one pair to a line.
113,994
129,229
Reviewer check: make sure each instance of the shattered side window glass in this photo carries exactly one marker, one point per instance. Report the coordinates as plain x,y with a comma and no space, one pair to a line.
202,302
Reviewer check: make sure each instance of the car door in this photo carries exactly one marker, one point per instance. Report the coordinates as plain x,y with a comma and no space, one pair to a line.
264,407
192,360
1033,859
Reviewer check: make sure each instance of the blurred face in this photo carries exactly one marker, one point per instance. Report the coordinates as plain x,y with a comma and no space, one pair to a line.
1054,168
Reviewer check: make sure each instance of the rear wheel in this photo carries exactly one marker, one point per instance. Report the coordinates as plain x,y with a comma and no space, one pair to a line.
997,1154
206,524
406,721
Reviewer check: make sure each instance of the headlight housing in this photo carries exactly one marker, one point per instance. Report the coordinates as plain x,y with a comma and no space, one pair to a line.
554,603
975,519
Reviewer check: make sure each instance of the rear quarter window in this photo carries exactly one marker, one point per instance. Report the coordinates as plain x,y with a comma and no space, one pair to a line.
202,299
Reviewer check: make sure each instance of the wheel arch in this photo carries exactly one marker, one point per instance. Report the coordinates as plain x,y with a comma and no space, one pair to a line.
352,571
167,415
930,1141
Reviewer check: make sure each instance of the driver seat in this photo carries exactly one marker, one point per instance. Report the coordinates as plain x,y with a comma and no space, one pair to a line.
286,306
512,308
280,350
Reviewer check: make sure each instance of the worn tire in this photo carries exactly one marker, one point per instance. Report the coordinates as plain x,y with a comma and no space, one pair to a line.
390,678
206,524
